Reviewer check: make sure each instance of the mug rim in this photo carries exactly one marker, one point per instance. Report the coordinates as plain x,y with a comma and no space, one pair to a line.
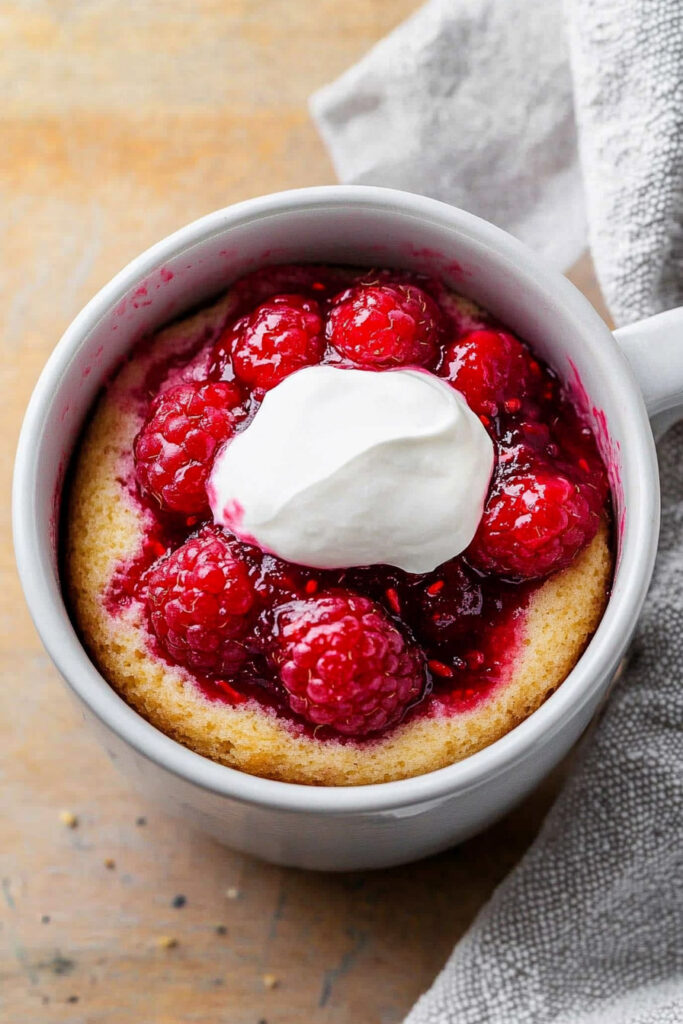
47,608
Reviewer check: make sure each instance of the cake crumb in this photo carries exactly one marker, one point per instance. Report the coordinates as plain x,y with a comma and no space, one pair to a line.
232,893
68,819
270,981
109,863
167,942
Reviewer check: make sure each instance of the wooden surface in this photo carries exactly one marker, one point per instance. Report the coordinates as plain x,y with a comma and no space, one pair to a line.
122,121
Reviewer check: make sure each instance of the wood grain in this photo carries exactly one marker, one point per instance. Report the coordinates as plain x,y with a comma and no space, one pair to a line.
120,122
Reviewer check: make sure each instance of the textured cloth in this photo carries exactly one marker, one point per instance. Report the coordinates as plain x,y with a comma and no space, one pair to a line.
589,926
471,102
627,57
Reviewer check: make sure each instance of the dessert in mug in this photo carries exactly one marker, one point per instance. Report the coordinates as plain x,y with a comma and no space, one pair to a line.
338,527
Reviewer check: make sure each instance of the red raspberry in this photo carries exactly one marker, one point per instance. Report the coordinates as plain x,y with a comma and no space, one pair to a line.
534,524
280,336
200,601
344,665
176,445
385,325
489,367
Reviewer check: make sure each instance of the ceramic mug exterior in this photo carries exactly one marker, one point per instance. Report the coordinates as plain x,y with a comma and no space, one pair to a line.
372,826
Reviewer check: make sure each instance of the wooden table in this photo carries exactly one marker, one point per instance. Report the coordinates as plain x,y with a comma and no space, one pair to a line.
120,123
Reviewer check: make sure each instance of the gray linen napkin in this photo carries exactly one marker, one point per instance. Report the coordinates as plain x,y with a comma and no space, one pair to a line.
472,102
469,102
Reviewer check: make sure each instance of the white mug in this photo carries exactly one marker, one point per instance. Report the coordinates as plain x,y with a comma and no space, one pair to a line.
622,380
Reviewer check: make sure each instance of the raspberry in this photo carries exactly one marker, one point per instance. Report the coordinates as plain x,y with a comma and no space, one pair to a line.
534,524
385,325
451,601
200,601
280,336
344,665
176,445
488,367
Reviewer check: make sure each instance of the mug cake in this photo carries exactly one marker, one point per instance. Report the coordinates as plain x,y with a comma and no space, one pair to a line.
338,527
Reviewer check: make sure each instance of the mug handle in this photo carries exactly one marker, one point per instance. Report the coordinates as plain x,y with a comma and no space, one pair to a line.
654,348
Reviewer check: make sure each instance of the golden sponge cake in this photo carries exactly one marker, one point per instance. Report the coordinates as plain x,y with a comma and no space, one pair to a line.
106,526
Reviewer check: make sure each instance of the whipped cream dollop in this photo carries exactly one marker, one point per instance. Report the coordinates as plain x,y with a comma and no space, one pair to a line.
353,467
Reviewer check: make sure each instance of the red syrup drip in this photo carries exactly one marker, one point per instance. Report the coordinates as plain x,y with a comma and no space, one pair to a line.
470,659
